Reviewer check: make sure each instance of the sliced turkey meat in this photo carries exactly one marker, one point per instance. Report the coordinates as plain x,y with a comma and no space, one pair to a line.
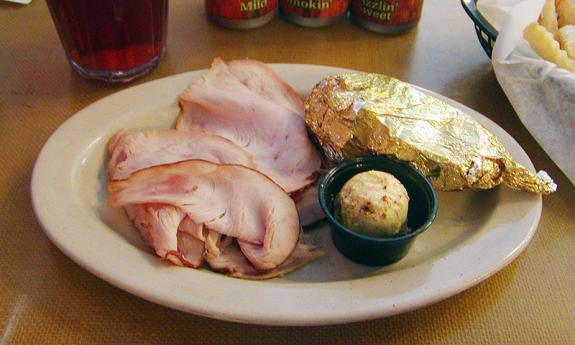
229,101
230,199
234,264
190,250
133,151
214,243
193,229
308,207
261,79
158,225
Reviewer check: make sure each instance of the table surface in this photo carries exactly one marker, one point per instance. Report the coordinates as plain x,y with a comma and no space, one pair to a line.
46,298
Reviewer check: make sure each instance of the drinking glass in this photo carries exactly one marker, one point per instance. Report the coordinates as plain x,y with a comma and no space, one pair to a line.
111,40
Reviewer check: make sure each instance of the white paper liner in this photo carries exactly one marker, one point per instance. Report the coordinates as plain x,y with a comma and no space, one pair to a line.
542,94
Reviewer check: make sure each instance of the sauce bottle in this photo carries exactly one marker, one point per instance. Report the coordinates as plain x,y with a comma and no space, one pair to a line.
387,16
241,14
314,13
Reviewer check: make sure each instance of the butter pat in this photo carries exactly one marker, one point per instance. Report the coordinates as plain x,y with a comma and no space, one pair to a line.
374,203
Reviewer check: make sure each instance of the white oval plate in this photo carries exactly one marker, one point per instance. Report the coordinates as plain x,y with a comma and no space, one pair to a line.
475,234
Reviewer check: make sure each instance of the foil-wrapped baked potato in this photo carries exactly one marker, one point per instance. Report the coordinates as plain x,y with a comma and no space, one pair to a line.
363,113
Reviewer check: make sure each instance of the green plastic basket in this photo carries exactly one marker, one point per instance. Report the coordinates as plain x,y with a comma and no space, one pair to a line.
485,32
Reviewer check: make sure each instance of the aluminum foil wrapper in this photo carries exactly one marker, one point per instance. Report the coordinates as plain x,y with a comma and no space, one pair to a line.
356,114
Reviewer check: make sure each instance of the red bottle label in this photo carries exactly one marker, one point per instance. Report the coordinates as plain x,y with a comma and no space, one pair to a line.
388,12
314,8
240,9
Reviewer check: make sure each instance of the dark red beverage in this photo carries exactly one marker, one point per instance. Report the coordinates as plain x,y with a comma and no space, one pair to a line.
111,40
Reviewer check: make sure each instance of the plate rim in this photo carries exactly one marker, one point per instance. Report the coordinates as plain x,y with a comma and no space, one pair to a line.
295,319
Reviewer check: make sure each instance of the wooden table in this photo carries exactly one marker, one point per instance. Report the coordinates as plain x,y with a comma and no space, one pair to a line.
45,298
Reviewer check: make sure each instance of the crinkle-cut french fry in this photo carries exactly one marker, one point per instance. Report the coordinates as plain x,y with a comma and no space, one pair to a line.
548,17
546,47
566,38
566,12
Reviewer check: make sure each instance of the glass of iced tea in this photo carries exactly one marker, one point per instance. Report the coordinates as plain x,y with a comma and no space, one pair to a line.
111,40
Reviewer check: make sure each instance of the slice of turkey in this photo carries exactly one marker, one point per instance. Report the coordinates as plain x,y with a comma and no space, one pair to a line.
230,199
246,103
158,223
232,263
262,80
308,207
133,151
